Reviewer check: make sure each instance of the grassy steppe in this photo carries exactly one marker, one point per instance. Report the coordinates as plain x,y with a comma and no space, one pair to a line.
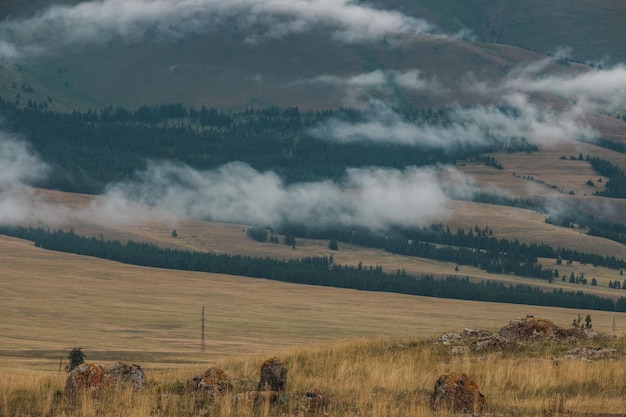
379,376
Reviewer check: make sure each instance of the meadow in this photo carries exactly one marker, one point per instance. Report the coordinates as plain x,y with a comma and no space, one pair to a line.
371,353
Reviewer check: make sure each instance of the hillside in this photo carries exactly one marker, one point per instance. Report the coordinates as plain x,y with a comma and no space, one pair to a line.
233,65
435,139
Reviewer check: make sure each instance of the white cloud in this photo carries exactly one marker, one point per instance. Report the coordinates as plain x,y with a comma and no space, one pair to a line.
100,22
236,192
20,167
382,80
605,88
472,126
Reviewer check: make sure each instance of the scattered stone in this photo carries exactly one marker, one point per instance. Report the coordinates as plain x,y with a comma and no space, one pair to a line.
458,392
475,333
497,343
591,352
448,338
273,376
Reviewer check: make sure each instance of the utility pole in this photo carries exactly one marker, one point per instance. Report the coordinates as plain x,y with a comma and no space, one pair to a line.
203,340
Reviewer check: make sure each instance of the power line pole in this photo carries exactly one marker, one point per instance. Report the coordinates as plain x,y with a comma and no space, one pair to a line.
203,340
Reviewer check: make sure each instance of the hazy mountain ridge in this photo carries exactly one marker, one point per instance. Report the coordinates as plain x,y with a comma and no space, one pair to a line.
249,54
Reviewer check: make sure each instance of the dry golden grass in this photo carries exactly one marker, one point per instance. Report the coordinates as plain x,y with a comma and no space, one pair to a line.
392,377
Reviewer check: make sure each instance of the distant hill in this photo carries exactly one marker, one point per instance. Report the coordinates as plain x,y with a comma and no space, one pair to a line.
222,68
593,30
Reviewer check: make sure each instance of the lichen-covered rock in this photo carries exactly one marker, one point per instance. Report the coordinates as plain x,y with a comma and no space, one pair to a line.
448,338
273,376
86,376
532,328
94,377
496,343
214,380
132,375
475,333
457,392
591,352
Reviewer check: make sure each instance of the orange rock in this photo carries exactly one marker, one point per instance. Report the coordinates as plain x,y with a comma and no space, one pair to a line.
94,377
458,392
85,377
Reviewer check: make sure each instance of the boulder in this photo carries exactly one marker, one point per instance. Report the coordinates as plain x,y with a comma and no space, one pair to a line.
497,343
86,376
273,376
94,377
122,373
214,380
457,392
532,328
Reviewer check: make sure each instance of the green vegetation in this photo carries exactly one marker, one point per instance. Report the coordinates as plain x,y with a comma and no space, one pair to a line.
616,183
76,357
474,247
91,149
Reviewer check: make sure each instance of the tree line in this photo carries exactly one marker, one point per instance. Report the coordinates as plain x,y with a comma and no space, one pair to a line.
476,247
314,271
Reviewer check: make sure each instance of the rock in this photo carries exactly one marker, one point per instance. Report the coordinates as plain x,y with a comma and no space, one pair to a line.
591,352
313,401
378,389
273,376
94,377
532,328
458,392
448,338
475,333
496,342
127,374
86,376
458,350
214,380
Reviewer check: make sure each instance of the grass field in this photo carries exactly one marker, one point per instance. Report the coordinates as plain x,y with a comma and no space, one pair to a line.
54,301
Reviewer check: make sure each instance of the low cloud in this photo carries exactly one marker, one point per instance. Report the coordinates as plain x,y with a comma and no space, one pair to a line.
381,80
236,192
517,117
20,167
100,22
596,88
587,88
